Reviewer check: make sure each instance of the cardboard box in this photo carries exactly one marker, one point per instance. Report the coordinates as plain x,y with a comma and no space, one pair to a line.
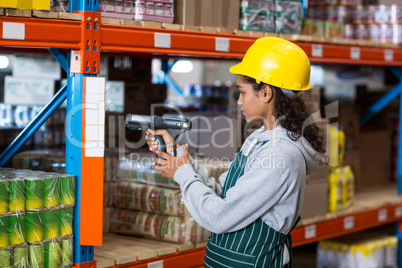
212,13
9,3
207,13
26,90
311,98
375,156
24,4
352,159
315,198
316,193
349,120
41,4
212,136
185,12
217,9
230,14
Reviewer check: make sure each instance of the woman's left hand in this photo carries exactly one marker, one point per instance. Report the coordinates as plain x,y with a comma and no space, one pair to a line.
169,164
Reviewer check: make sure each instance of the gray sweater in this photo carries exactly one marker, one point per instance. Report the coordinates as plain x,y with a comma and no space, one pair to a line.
272,187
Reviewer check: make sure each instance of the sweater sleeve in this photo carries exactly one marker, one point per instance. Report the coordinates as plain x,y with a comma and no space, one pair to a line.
202,172
255,193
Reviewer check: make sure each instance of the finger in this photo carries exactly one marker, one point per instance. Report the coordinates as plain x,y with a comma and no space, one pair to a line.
160,153
185,151
160,132
159,161
158,168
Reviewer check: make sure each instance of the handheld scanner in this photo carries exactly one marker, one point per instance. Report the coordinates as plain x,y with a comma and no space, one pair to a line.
154,122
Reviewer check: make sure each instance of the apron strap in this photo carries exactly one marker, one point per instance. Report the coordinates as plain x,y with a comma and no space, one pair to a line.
288,243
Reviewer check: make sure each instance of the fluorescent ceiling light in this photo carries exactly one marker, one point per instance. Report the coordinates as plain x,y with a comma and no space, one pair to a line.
183,66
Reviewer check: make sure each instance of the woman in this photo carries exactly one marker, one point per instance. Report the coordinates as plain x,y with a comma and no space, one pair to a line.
256,204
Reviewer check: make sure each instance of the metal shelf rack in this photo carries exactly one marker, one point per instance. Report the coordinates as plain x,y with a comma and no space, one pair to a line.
86,38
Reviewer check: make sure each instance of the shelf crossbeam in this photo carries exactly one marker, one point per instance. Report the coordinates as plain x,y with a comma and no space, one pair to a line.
39,33
381,103
60,56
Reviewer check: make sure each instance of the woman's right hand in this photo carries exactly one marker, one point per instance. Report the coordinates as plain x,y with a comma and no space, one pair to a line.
167,137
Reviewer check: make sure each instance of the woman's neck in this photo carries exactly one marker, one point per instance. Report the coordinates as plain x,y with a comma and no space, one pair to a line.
270,123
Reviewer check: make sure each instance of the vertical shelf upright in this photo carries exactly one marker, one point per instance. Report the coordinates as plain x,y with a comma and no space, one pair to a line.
85,133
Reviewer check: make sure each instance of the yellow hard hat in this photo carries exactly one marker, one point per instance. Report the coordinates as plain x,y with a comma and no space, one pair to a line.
277,62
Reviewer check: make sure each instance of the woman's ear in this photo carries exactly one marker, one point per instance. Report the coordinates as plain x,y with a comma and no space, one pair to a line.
267,93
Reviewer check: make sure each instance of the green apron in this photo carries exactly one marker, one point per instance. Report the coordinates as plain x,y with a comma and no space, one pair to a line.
257,245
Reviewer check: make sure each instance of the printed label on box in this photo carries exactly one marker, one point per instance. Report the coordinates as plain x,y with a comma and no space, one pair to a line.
32,91
37,66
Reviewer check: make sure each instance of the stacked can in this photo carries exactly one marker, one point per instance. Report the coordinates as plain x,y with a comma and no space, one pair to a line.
36,219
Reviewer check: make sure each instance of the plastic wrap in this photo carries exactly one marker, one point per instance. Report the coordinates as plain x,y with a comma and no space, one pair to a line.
137,167
107,219
54,161
358,250
161,227
288,17
36,219
340,188
257,16
148,198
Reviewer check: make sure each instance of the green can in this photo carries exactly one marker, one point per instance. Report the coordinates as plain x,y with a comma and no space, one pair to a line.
53,252
36,255
67,256
17,195
20,257
17,229
34,193
66,221
67,190
52,190
35,222
5,258
52,225
4,232
4,195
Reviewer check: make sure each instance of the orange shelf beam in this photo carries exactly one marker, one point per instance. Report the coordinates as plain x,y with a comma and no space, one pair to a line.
346,224
51,33
43,33
190,258
300,236
143,40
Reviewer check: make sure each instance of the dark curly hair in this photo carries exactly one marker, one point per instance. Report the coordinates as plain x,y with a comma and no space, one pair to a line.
292,114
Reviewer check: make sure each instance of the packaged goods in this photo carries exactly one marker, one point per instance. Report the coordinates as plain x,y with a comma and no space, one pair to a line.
35,230
35,192
288,17
138,196
166,228
340,188
137,167
336,147
16,194
257,16
67,190
35,222
36,254
20,256
363,249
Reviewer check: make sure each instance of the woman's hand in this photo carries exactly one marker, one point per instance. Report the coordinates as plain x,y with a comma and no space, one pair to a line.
169,164
167,137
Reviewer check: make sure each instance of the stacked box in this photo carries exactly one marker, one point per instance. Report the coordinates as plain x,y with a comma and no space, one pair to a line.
36,219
